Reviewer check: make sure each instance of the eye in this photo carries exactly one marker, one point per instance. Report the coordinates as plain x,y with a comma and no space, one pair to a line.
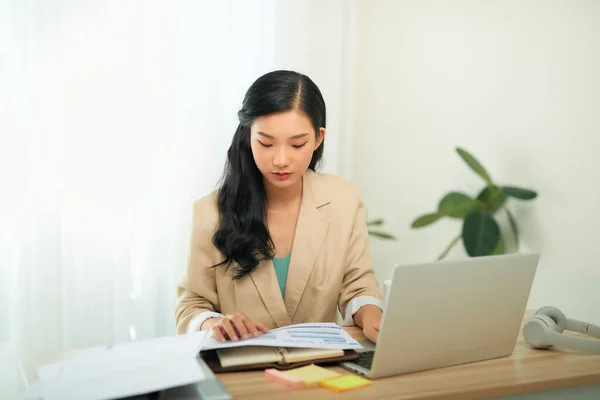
297,146
264,145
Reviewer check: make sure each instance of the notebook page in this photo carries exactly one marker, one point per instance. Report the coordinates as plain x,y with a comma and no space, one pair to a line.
294,355
326,335
248,355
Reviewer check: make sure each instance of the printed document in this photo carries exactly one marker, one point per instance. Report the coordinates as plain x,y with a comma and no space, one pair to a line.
124,370
307,335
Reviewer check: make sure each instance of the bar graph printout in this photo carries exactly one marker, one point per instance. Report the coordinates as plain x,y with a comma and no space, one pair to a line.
320,335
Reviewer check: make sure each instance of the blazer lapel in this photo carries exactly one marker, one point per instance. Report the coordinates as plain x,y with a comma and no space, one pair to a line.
265,281
311,228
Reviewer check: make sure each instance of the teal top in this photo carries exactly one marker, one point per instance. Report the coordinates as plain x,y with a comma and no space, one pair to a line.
281,270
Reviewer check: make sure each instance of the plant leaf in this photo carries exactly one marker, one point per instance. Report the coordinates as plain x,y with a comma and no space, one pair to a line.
474,164
425,220
499,247
513,225
494,198
480,234
382,235
375,222
519,193
458,205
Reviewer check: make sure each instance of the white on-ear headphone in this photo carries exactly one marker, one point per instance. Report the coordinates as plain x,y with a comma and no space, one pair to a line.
544,329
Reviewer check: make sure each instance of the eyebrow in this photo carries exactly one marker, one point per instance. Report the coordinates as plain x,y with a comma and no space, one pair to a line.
272,137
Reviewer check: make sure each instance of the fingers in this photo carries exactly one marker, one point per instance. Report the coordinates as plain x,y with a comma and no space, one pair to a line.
227,326
218,334
371,333
235,327
261,327
241,324
251,327
247,328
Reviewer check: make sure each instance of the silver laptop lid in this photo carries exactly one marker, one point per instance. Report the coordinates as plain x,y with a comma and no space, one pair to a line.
452,312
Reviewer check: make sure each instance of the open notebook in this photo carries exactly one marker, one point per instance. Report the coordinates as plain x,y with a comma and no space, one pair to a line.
283,348
262,357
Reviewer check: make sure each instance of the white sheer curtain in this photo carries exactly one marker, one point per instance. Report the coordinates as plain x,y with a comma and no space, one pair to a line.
114,117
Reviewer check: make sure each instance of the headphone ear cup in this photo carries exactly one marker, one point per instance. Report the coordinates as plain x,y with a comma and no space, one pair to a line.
556,315
536,331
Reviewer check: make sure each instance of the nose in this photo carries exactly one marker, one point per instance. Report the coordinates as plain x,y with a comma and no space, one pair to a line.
282,158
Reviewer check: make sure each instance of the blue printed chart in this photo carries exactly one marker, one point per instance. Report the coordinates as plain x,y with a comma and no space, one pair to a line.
307,335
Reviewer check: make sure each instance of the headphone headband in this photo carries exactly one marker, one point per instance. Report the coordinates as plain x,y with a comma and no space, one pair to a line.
583,327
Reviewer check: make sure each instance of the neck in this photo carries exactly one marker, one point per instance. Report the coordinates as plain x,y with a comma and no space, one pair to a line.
278,198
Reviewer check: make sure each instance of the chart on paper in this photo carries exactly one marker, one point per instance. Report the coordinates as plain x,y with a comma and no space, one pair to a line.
306,335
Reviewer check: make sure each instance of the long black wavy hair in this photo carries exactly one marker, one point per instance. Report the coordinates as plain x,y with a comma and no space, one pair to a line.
242,235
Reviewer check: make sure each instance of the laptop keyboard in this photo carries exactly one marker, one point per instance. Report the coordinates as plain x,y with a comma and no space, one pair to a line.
365,359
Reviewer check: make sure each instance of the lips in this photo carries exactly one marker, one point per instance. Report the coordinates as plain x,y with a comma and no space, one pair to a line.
282,175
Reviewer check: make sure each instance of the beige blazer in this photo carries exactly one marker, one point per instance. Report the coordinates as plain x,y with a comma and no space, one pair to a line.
330,263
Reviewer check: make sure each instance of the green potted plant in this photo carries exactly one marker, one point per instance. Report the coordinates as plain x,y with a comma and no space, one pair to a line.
480,231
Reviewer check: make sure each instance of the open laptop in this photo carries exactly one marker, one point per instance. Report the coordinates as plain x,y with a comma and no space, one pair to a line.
450,312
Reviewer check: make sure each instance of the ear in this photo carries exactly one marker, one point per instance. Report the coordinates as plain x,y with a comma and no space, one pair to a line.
322,132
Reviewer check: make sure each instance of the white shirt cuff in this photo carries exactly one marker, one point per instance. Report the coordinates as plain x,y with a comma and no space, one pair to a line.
356,303
198,320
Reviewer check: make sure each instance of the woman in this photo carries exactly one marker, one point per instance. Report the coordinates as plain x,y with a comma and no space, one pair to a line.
278,243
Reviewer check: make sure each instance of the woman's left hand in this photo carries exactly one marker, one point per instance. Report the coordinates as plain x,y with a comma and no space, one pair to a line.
369,317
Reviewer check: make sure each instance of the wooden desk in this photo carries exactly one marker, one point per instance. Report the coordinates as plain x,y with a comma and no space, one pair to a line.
527,370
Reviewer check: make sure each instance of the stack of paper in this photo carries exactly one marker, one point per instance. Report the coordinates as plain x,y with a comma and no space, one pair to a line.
124,370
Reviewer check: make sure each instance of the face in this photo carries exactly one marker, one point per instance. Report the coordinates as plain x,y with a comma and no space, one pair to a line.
283,145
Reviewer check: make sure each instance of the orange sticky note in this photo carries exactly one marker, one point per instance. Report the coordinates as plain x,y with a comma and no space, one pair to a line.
346,382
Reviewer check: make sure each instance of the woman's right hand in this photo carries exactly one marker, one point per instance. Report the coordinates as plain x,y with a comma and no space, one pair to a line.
233,326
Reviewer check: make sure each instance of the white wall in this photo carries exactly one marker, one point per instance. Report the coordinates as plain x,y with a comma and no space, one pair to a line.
517,83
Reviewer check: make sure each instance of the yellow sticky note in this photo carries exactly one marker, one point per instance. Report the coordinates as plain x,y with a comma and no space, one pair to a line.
312,374
345,382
